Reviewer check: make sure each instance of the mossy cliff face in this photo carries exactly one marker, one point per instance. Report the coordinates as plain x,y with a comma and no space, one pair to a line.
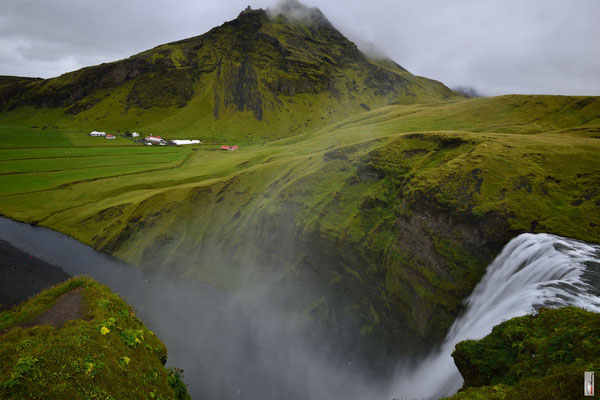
102,351
532,357
279,75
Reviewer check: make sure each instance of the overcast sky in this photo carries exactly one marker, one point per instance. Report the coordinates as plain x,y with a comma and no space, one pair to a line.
495,46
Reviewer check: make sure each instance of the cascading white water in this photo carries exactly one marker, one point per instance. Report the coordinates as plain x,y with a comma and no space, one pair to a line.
532,271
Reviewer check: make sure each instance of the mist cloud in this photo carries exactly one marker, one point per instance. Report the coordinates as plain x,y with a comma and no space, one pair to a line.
496,46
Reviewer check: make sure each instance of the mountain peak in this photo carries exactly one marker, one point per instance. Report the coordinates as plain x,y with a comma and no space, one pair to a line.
295,11
249,11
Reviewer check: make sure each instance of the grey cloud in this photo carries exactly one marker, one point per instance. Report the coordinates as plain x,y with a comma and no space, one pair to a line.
497,47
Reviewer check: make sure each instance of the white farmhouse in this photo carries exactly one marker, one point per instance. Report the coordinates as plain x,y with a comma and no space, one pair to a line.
182,142
96,133
135,134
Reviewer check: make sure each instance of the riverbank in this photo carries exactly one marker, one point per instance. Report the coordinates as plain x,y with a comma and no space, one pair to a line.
23,276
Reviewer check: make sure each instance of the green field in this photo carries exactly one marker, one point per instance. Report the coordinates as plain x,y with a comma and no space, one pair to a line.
14,137
408,203
33,160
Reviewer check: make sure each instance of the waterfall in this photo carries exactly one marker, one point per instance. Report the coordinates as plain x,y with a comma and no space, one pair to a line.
532,271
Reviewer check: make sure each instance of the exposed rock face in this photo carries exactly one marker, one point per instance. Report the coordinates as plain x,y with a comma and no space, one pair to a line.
241,89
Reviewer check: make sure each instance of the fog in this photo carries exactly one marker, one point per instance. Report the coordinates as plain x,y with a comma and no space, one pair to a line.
495,47
243,346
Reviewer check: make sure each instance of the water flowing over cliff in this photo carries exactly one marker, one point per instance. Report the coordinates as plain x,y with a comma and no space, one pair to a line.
533,271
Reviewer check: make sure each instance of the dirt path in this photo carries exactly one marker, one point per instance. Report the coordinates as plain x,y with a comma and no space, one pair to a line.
68,306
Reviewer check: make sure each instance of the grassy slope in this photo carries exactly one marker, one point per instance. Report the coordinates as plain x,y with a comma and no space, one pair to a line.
78,360
395,212
531,357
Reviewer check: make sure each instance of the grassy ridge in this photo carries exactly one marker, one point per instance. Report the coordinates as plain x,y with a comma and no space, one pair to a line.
106,354
392,214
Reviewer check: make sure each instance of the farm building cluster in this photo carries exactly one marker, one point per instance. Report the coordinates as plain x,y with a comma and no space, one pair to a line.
157,140
148,140
108,135
102,134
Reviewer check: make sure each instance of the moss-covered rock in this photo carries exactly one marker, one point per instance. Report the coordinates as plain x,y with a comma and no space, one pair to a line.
532,357
101,351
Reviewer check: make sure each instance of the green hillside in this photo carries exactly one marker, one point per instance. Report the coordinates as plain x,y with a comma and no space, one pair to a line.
100,350
262,76
387,218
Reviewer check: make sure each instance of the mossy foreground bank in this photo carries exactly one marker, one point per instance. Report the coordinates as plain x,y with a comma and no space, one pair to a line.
78,340
541,356
387,219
